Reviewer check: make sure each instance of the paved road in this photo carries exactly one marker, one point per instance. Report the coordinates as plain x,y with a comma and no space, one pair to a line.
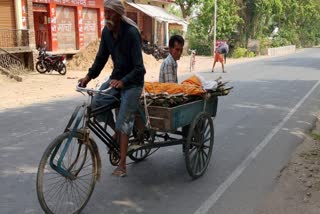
258,125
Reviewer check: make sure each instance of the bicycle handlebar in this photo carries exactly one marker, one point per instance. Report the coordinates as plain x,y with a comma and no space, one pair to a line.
92,90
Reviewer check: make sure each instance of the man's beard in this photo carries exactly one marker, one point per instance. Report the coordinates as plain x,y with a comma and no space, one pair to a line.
109,24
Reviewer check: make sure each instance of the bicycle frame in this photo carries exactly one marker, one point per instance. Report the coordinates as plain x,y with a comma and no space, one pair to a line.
87,115
99,130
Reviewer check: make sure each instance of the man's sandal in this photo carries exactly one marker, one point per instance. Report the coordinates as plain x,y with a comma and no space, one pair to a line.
119,172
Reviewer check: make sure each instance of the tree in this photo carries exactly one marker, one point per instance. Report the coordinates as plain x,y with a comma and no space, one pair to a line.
187,7
202,27
175,10
298,20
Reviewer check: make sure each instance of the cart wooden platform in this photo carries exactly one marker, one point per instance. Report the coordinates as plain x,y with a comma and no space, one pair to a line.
190,125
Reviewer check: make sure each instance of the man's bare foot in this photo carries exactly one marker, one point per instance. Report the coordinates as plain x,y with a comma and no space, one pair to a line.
119,172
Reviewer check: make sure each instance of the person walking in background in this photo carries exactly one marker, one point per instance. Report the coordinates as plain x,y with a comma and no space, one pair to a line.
220,55
169,67
121,40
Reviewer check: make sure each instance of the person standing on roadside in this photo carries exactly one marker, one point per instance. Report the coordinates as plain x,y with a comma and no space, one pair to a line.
121,40
169,66
220,55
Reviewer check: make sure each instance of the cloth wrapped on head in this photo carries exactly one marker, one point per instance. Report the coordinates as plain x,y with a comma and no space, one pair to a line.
118,7
115,5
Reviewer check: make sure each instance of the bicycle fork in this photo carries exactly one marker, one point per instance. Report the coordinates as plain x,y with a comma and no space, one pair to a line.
71,172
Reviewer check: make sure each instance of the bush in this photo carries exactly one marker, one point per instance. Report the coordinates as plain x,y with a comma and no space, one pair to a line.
317,42
239,52
251,54
279,42
265,43
202,49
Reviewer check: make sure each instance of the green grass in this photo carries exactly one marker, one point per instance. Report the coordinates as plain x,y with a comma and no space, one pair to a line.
315,136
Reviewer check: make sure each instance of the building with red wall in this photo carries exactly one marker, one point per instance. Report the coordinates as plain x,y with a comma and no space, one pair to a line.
67,25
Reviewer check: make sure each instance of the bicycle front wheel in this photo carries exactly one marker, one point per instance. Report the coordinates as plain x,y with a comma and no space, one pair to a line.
66,187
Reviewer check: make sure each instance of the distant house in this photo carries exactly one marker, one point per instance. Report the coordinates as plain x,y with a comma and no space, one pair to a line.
154,20
65,25
69,25
16,33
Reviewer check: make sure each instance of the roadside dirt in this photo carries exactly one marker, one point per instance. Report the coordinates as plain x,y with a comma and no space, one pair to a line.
298,189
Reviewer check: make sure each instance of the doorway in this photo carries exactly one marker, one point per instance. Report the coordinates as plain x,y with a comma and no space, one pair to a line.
41,29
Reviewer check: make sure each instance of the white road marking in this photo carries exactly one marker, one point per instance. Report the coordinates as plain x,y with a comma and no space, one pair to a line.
210,202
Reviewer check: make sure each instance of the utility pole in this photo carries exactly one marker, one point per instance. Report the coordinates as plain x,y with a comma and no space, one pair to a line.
215,27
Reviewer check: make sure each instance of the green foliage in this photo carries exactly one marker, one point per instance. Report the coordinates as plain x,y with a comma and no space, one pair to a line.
315,136
201,28
298,22
265,43
239,52
291,35
250,54
175,10
227,19
242,52
175,32
201,48
187,6
279,41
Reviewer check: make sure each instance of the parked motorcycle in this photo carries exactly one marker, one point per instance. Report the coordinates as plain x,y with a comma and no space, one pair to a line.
160,53
47,62
147,48
157,52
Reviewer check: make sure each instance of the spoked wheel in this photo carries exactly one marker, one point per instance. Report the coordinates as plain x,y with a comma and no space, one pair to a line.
140,140
66,187
41,68
63,69
199,145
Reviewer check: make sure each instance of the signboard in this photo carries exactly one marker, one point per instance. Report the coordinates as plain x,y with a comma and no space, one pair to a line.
39,7
84,3
53,23
90,25
24,14
80,27
66,28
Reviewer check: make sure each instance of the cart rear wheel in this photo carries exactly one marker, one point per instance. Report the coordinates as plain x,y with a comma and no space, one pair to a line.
199,145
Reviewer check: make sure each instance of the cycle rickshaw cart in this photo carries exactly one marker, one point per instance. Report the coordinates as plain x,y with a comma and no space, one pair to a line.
71,164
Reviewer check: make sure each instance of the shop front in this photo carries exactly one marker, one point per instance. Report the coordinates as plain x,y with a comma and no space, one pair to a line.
7,23
67,25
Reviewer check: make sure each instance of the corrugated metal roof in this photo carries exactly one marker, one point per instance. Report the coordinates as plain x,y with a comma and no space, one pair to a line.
159,14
